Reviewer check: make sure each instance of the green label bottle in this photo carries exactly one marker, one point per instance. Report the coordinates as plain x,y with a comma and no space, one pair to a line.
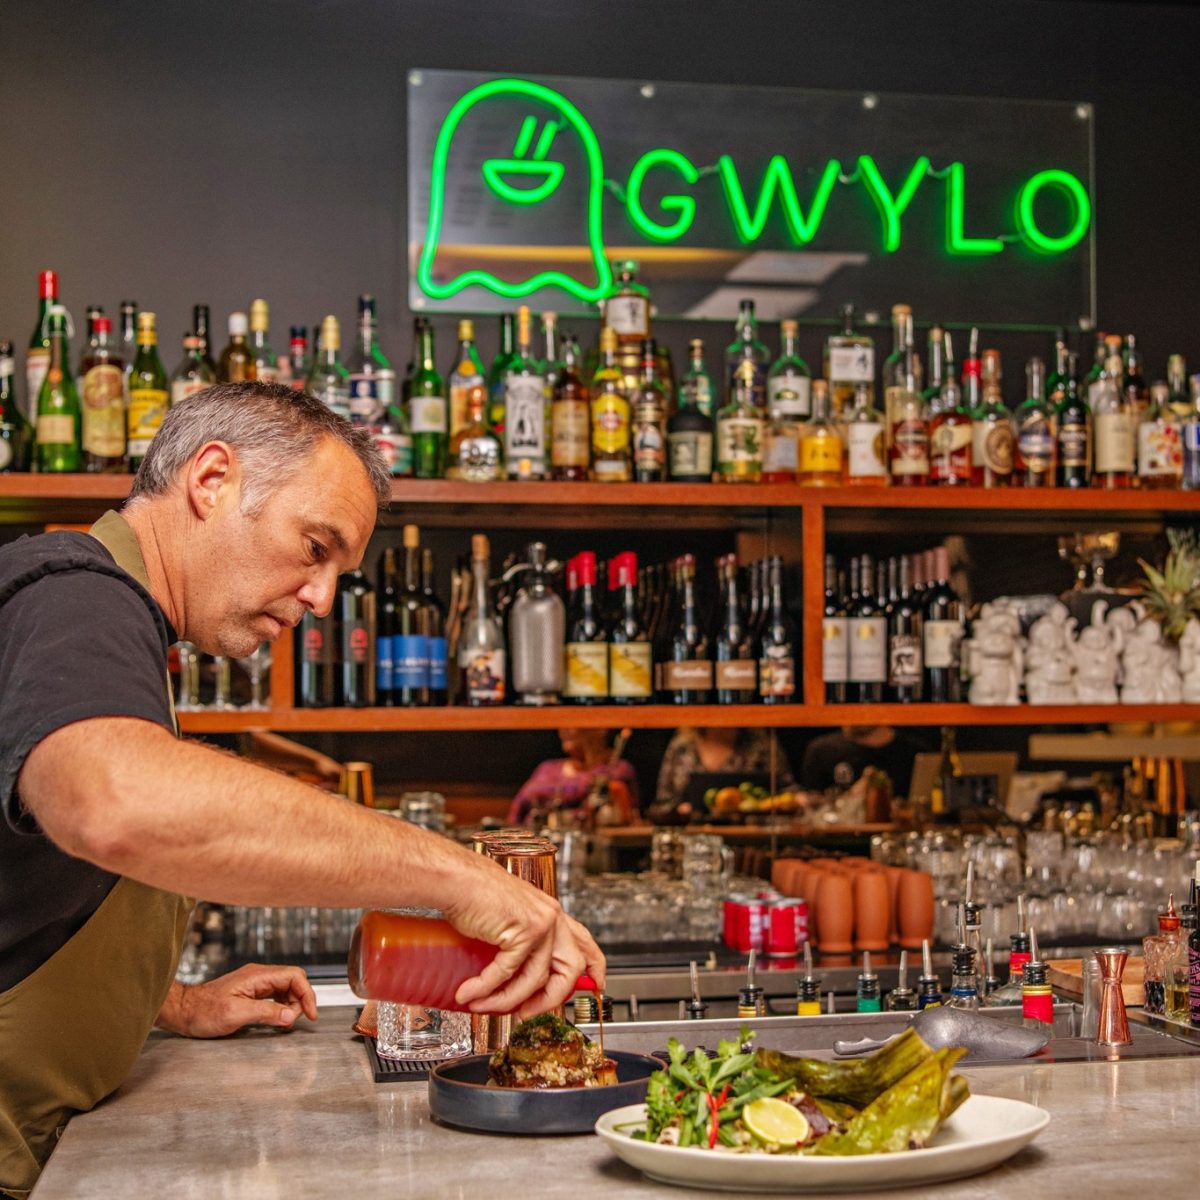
58,413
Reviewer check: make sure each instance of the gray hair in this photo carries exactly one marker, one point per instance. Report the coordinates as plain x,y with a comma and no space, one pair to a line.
273,431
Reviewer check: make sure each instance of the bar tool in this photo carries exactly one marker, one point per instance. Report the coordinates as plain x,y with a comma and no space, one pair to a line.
1114,1022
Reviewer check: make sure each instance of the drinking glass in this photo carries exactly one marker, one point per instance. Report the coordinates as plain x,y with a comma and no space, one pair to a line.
189,677
221,691
707,863
256,666
427,809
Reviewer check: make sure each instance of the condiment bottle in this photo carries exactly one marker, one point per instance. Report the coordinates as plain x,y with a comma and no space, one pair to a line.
1037,1000
808,990
929,987
751,998
868,988
902,998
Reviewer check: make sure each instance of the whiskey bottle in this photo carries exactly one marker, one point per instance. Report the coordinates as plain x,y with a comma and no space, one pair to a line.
1035,433
525,451
849,363
907,419
475,453
740,431
949,425
821,450
612,459
236,364
649,417
865,462
627,310
570,418
466,374
1074,421
1115,429
690,440
102,381
992,449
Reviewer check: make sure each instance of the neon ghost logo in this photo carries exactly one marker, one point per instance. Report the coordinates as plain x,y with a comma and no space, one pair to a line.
555,173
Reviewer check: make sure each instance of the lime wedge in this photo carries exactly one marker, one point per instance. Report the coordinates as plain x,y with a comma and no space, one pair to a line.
775,1121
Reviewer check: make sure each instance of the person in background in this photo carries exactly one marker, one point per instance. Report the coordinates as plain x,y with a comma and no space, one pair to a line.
712,750
838,759
565,784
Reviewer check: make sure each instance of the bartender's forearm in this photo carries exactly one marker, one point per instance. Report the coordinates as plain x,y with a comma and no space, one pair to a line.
129,797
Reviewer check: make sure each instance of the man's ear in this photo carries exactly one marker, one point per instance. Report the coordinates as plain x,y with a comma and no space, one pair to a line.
213,468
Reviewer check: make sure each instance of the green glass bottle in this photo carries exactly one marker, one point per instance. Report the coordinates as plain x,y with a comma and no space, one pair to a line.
149,396
58,413
16,434
497,373
427,411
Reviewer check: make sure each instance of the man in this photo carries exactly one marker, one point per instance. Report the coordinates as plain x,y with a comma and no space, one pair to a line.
252,500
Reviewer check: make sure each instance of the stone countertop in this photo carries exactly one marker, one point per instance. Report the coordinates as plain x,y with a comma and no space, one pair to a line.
269,1115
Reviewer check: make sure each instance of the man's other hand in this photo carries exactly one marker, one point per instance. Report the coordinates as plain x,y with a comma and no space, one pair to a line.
251,995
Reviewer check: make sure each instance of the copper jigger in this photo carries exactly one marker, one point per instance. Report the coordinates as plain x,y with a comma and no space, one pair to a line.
358,783
1114,1022
532,859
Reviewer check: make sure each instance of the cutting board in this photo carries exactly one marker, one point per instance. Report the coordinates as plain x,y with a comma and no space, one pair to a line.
1066,975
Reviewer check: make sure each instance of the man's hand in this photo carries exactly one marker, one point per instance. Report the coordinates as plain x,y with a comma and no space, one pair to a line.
251,995
542,950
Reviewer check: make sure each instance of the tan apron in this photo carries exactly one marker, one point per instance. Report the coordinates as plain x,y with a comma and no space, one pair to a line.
71,1032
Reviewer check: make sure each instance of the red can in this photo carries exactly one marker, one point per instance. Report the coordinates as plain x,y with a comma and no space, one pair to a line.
744,919
785,928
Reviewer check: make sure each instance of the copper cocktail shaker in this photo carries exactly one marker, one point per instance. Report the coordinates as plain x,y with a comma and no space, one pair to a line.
1114,1022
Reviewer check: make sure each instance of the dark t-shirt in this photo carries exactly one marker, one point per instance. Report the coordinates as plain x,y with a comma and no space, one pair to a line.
833,758
79,638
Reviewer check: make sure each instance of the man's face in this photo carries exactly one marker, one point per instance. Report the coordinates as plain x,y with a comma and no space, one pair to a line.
249,578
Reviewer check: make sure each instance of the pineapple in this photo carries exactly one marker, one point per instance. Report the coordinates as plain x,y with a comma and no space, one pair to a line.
1172,596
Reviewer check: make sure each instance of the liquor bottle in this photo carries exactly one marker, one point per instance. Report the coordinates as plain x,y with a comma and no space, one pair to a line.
789,380
481,657
906,675
1018,956
427,420
237,363
1035,431
467,374
992,449
410,646
1180,402
972,382
475,454
371,380
1056,380
907,420
1193,964
944,627
1189,436
849,363
929,988
630,663
1159,446
964,990
612,457
102,381
266,365
316,655
128,339
394,442
740,431
835,637
867,998
16,434
193,373
524,408
1115,429
356,618
746,348
435,631
201,327
687,673
781,447
893,365
552,363
777,644
950,425
627,309
1135,383
1074,419
649,417
1099,357
1176,968
586,640
864,461
148,394
936,355
329,380
37,359
949,768
58,414
387,594
1037,997
570,418
299,364
498,372
736,671
690,438
697,388
821,450
867,626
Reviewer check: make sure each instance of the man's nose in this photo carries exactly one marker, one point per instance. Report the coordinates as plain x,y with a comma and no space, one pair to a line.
318,593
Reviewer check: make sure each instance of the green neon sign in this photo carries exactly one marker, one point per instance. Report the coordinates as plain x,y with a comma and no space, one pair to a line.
1076,195
685,206
957,241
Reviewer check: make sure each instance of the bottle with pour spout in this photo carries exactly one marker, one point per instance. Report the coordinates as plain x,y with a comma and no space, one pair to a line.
537,629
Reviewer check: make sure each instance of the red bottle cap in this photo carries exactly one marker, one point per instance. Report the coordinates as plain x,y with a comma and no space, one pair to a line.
622,570
572,573
586,983
48,285
585,567
104,324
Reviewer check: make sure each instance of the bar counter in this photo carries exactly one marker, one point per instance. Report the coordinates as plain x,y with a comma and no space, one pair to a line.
265,1115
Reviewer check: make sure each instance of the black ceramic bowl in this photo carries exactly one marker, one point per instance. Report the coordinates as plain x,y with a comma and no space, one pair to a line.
459,1095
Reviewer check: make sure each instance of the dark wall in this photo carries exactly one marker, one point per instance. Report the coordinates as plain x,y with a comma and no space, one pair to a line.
173,153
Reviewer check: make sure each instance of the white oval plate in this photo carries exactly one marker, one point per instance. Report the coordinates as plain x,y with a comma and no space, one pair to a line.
982,1133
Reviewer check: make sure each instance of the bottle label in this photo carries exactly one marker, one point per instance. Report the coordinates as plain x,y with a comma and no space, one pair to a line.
697,389
789,395
904,660
104,411
950,451
992,446
337,400
362,400
1114,443
690,453
737,675
776,672
1037,1004
835,651
437,663
628,316
649,445
910,447
483,673
356,643
942,642
181,389
478,459
629,668
739,444
864,451
460,395
587,670
1159,450
385,661
56,429
37,363
569,433
1035,444
868,650
427,414
781,450
821,455
851,364
693,675
610,424
525,424
1073,444
147,408
396,449
313,646
411,661
1193,957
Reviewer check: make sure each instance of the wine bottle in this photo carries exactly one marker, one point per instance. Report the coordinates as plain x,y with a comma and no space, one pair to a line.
835,637
587,641
387,598
427,419
481,658
868,641
58,412
1074,432
736,671
777,644
102,380
630,662
317,657
411,680
266,365
905,671
37,358
356,611
16,434
687,669
435,631
944,627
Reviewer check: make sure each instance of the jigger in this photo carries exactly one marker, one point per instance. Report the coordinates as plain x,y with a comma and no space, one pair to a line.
1114,1023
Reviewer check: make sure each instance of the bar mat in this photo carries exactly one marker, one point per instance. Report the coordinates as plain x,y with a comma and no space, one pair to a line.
398,1070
